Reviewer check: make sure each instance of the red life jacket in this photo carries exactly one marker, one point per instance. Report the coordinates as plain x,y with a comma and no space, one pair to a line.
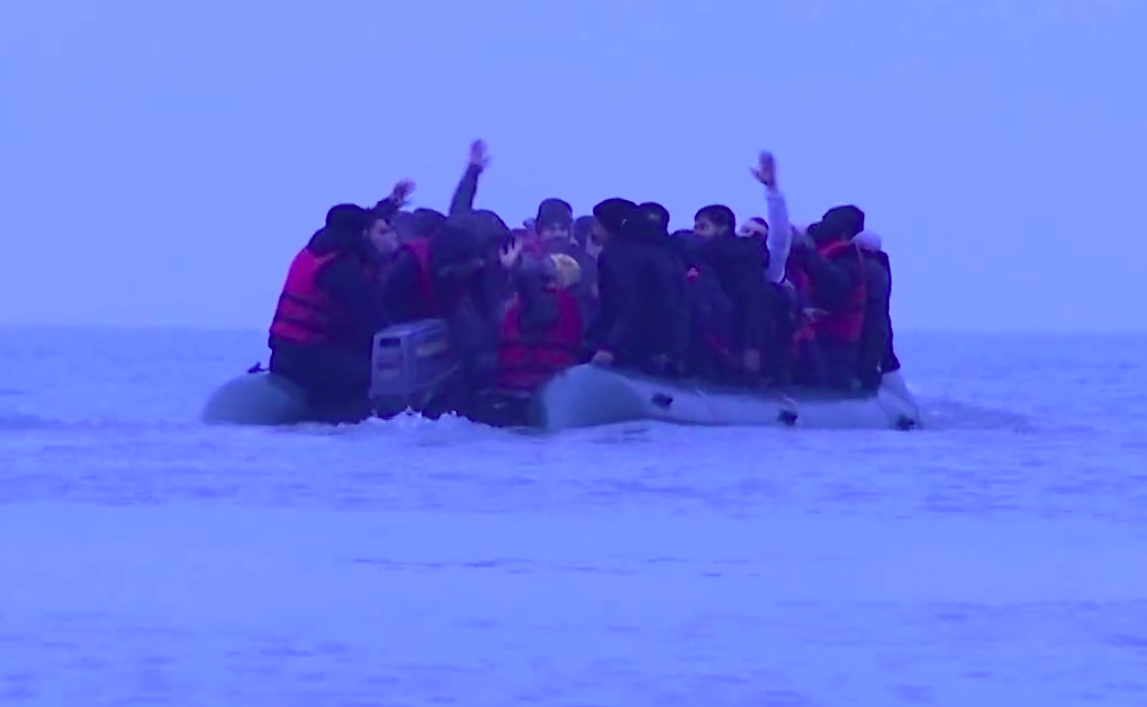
427,305
846,322
526,362
796,275
305,314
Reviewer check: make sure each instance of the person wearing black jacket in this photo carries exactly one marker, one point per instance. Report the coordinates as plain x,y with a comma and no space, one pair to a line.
644,316
739,264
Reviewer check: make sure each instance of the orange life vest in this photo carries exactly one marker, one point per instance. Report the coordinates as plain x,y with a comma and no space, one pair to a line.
525,362
844,323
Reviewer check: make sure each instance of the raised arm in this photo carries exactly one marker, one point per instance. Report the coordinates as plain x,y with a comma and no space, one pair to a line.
780,238
463,201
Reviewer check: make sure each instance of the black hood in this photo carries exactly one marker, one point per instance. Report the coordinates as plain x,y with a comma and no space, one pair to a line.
649,222
613,213
344,230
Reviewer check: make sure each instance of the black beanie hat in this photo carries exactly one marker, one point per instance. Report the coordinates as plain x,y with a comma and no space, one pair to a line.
846,221
652,214
348,218
554,212
612,213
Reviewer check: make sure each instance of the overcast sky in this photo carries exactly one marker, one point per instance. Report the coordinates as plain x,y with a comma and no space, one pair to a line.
160,163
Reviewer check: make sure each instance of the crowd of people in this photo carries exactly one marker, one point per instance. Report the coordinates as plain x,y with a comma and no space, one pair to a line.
768,305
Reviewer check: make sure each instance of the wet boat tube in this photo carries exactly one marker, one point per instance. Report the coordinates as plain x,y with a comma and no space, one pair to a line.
588,396
257,397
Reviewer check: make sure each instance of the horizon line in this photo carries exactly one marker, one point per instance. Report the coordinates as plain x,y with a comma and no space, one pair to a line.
239,329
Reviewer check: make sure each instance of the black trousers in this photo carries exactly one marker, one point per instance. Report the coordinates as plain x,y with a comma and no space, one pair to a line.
335,380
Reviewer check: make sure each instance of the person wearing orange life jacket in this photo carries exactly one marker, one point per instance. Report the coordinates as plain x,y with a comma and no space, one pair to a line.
330,308
830,272
877,354
542,329
541,336
409,289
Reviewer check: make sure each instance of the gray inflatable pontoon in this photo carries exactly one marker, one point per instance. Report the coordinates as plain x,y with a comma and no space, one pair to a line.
587,396
411,364
256,398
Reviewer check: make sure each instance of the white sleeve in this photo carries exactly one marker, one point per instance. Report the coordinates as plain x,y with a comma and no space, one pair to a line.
780,236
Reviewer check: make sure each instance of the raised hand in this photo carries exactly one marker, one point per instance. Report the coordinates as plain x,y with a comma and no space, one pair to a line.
479,154
510,253
402,191
766,169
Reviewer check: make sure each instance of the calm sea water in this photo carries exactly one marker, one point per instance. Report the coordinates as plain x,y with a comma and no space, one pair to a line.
999,558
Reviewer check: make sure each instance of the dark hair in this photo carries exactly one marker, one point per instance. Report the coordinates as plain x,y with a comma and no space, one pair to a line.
427,223
612,213
720,215
844,221
554,212
348,218
582,226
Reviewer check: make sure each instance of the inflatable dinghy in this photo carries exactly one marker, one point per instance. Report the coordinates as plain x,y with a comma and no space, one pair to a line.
588,396
414,367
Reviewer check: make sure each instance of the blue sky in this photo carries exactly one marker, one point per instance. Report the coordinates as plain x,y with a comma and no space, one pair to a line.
162,162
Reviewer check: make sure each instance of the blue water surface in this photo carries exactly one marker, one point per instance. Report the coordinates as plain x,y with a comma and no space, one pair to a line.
998,558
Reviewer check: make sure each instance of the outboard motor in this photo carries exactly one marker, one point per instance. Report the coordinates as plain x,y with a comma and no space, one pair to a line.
413,367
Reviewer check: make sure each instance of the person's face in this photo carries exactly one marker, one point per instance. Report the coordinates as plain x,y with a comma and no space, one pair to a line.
705,228
757,230
554,231
598,234
383,237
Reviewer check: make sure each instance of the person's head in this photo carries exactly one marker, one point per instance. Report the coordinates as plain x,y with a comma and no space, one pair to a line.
458,250
840,223
567,272
533,277
382,236
713,221
582,226
583,234
816,233
554,220
649,221
349,226
489,229
686,242
403,224
427,223
348,219
608,217
756,228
